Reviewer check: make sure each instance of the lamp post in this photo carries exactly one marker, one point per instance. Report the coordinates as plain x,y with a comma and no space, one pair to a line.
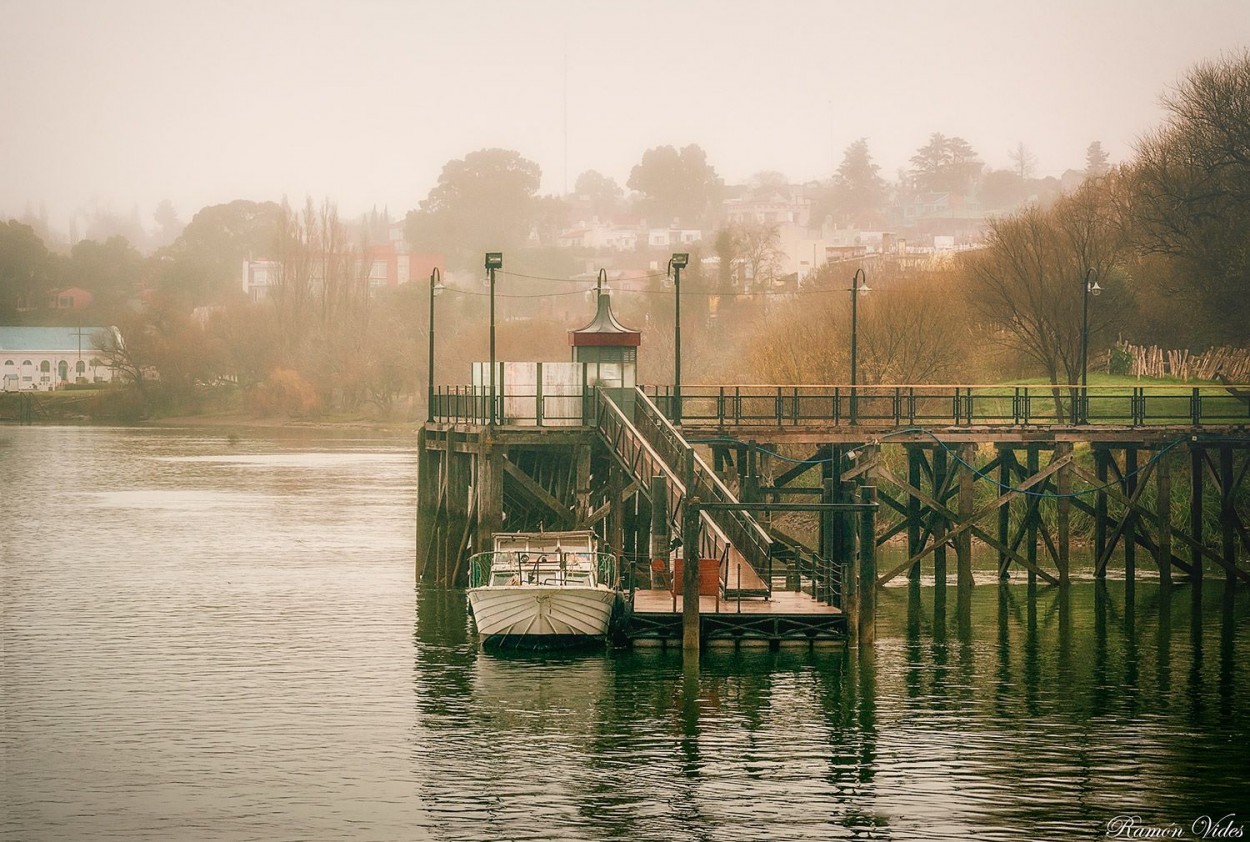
1088,288
494,260
436,288
678,262
855,291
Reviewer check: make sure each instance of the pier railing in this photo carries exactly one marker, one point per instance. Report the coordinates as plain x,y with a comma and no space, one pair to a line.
945,405
743,530
643,460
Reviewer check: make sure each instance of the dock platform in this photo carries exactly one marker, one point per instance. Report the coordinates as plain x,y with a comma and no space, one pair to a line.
787,618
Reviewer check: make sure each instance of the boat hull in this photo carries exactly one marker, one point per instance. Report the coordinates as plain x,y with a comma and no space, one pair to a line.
536,616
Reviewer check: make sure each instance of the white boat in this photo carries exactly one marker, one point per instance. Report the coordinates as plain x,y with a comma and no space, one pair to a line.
545,589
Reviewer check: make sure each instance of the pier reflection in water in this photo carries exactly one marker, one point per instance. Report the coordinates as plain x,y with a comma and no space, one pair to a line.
217,637
1039,715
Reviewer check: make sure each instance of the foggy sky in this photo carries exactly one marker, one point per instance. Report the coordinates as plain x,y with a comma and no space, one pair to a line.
129,102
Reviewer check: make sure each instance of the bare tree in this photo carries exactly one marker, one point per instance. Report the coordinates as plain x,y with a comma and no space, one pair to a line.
1023,162
1191,197
1027,285
754,251
910,330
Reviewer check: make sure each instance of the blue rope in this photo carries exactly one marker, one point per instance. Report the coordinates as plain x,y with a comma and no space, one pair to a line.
976,471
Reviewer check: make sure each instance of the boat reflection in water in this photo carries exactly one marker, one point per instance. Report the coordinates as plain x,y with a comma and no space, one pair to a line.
543,590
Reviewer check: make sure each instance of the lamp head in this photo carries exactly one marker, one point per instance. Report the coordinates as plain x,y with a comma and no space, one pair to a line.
1094,289
681,260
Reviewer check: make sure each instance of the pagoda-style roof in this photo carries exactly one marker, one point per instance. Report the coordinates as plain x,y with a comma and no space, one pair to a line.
604,329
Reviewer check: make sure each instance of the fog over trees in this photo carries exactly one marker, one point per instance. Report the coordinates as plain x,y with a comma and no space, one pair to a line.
1165,233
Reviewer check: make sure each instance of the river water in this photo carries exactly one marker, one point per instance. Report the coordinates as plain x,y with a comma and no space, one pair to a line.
217,637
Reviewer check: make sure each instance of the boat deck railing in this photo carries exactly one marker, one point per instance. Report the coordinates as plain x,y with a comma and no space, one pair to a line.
541,568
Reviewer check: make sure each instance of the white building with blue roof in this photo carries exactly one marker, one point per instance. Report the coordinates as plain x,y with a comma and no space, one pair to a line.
46,358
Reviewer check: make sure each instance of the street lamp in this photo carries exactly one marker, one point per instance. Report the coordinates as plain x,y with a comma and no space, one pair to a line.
855,291
436,288
494,260
678,262
1088,288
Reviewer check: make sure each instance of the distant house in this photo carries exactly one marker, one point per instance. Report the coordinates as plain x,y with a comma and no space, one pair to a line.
73,298
46,358
388,264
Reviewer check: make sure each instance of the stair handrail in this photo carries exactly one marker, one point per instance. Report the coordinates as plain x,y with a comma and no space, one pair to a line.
750,534
609,416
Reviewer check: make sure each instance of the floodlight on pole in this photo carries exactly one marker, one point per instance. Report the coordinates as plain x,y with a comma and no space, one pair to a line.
436,288
862,277
678,262
494,260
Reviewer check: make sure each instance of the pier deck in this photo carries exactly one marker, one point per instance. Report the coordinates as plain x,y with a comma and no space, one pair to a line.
787,617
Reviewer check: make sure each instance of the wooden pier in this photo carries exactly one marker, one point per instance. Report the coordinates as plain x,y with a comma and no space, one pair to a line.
930,468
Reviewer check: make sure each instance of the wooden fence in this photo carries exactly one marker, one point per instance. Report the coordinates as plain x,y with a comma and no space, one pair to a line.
1231,363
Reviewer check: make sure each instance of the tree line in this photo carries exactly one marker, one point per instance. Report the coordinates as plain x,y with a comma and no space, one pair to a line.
1165,234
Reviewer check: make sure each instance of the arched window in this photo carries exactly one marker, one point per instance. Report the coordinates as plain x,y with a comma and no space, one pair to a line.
80,368
45,367
8,362
62,370
27,363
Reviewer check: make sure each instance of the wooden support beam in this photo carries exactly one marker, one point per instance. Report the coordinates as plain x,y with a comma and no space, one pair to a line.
489,503
1033,515
1228,514
560,512
1006,457
1123,526
462,548
1101,457
581,477
1129,521
1197,548
915,458
968,524
616,512
1195,514
963,540
1163,512
867,567
941,479
1063,487
815,460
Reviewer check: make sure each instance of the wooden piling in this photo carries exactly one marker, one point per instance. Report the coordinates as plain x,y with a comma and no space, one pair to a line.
490,471
1130,516
1195,513
963,541
868,566
915,459
1006,456
661,540
1101,471
616,513
1032,516
427,501
1063,484
690,579
939,521
1163,511
1228,516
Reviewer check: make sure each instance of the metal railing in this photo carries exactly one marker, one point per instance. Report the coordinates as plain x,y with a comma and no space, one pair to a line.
643,460
743,530
946,405
471,405
540,568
